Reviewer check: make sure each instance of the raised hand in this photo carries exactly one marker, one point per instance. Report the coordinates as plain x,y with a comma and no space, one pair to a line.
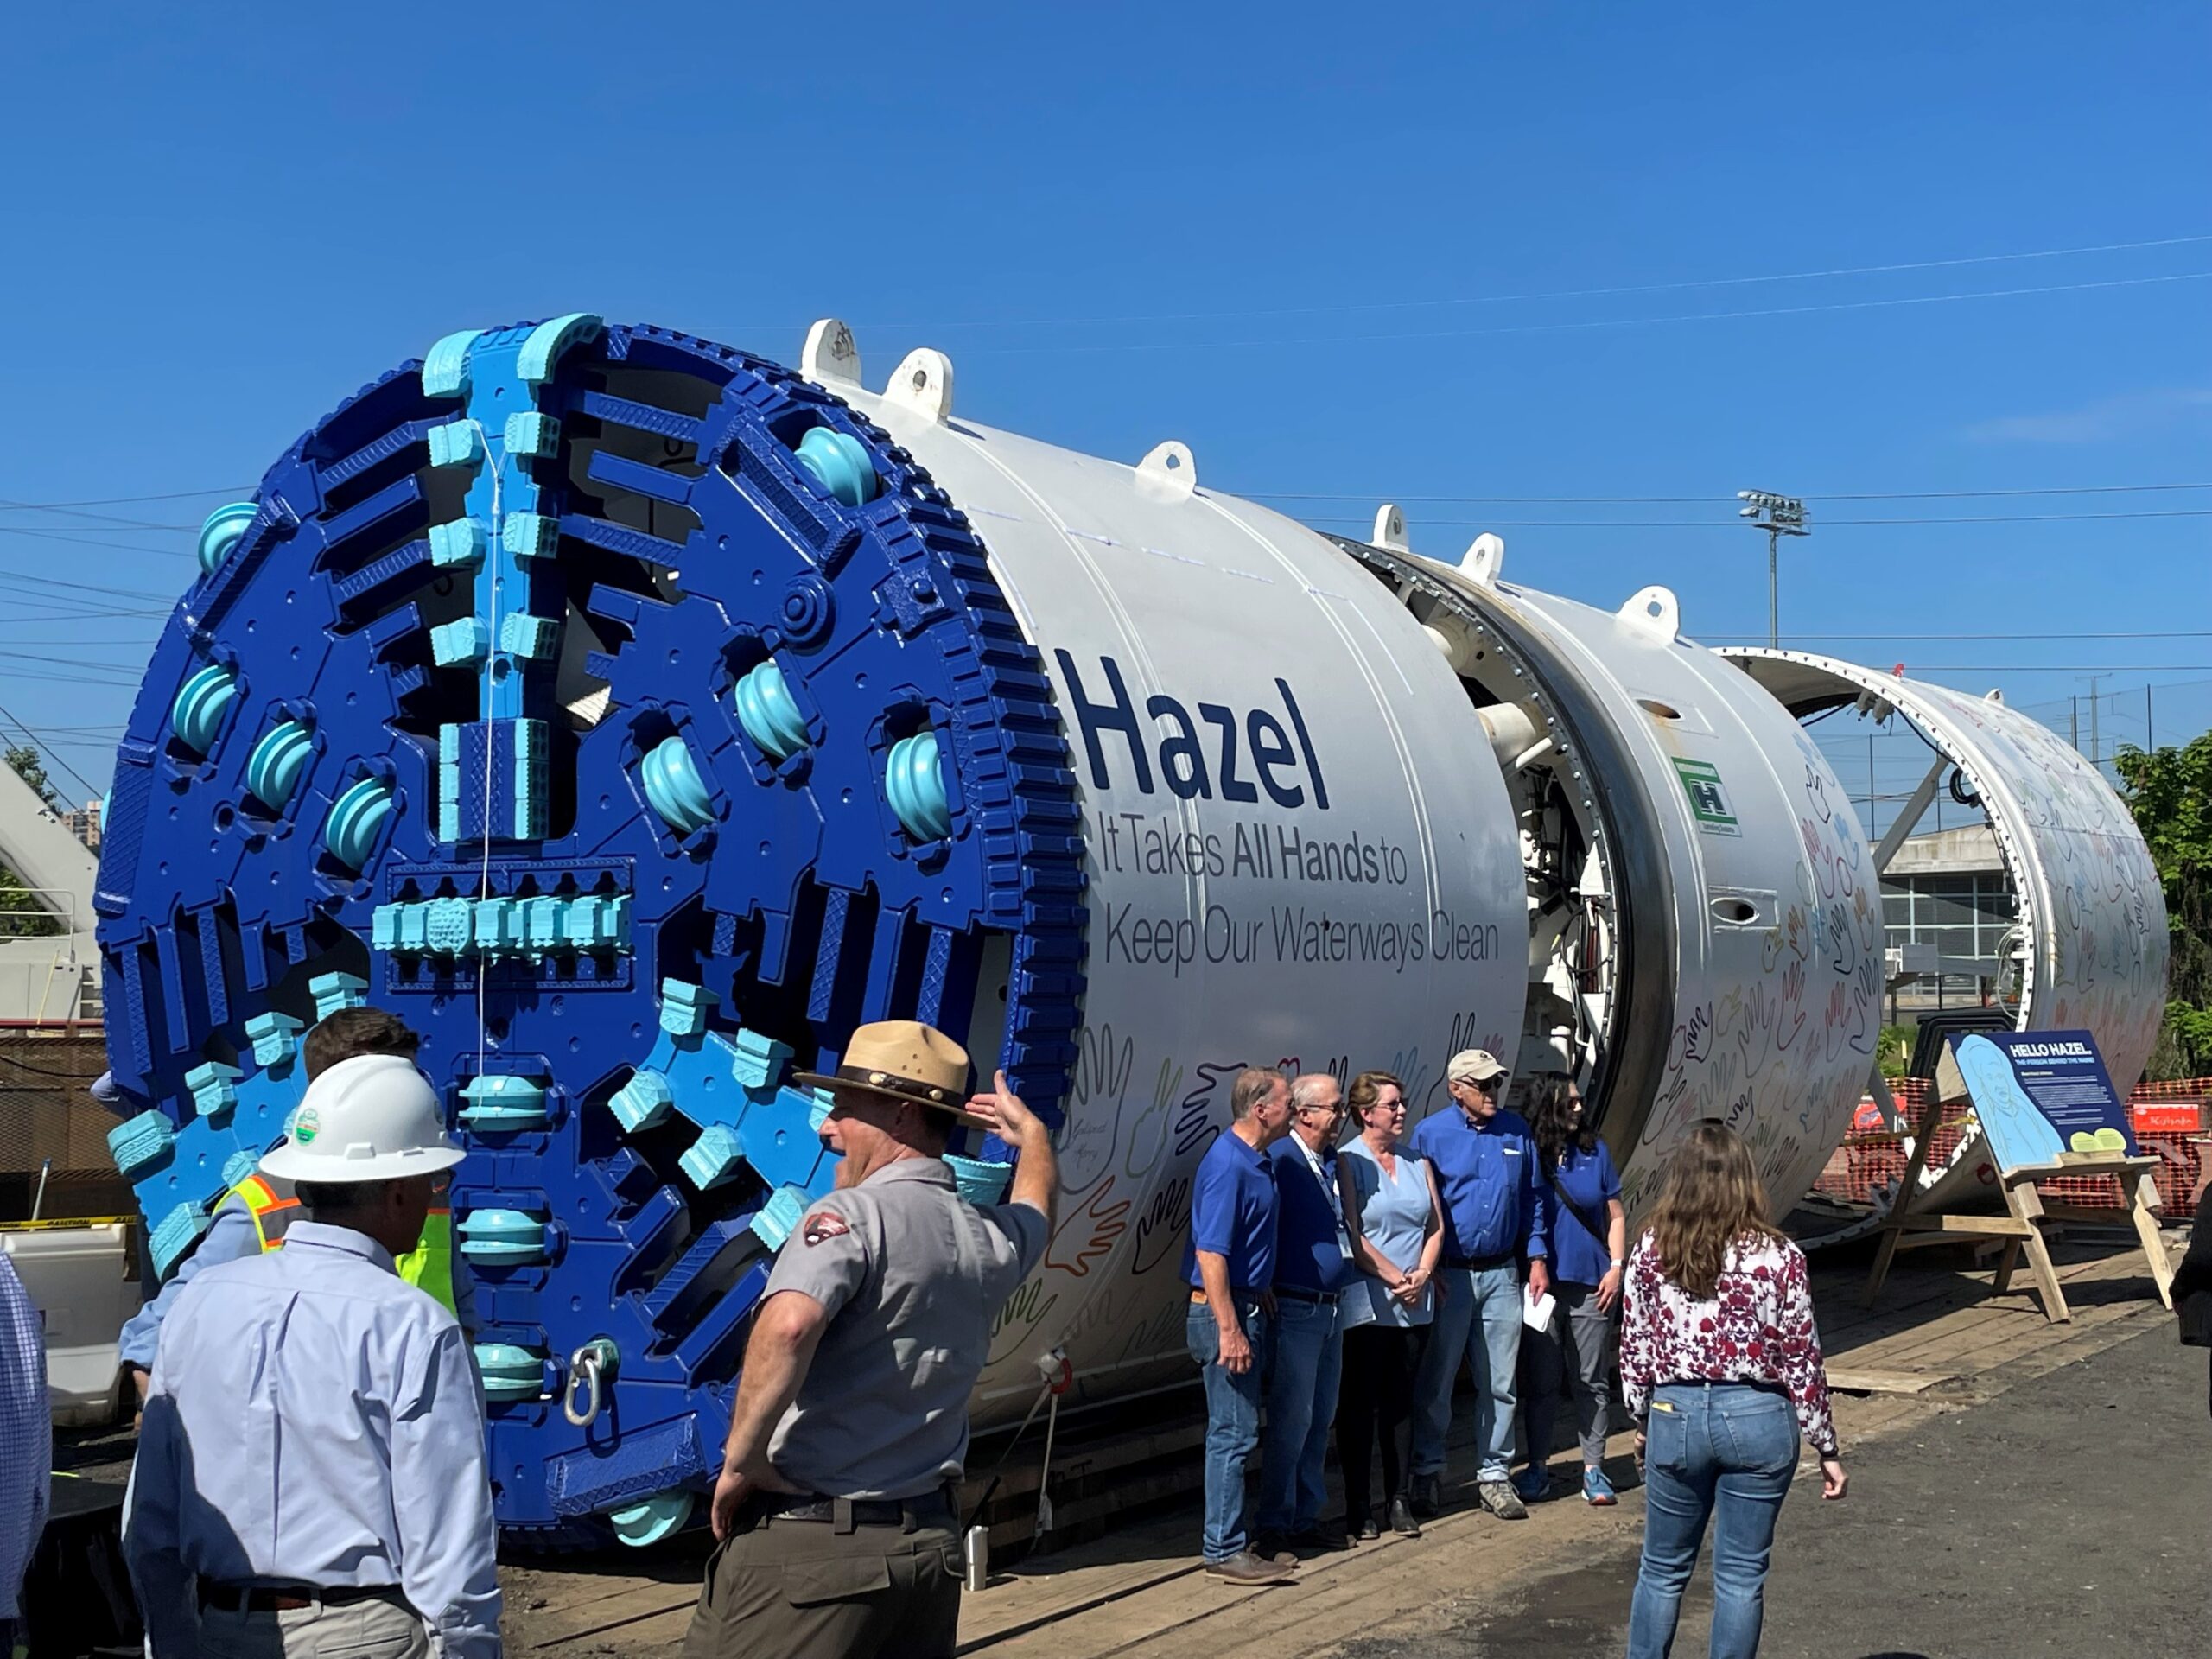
1002,1110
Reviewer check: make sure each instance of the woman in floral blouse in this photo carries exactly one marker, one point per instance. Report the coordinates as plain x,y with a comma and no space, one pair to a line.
1720,1364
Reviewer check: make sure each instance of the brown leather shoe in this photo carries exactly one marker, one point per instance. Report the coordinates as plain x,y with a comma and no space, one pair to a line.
1248,1568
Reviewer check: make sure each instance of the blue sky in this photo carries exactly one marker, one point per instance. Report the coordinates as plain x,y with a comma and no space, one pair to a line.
1344,254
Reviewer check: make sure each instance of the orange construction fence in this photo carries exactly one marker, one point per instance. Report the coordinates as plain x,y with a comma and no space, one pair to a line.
2168,1118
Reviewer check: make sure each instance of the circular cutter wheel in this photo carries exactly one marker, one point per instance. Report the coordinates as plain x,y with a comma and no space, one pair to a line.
633,719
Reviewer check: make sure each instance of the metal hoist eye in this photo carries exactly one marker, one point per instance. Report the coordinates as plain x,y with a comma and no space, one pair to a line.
590,1368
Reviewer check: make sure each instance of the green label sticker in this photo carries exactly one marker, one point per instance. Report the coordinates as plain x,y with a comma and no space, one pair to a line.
306,1125
1708,796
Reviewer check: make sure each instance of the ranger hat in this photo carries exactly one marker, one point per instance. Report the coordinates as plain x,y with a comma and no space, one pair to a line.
901,1059
1473,1065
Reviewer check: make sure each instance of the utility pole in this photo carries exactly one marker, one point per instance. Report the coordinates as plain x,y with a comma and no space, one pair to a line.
2096,754
1779,516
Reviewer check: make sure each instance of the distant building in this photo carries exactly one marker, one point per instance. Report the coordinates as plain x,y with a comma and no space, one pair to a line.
84,822
1947,913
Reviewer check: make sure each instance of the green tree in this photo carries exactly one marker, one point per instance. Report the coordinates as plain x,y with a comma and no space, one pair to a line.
27,764
22,917
2170,791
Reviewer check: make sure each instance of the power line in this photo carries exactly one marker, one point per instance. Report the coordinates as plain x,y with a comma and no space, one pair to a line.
1558,294
1727,500
133,675
142,642
89,791
126,501
1914,669
1719,523
63,679
80,538
1589,323
1822,523
104,518
20,577
1923,638
29,619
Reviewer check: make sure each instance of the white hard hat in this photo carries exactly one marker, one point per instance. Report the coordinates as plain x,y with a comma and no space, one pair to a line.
372,1118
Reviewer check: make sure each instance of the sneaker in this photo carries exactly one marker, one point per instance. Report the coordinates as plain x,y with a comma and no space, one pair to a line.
1428,1495
1533,1483
1501,1501
1401,1519
1597,1489
1248,1568
1328,1540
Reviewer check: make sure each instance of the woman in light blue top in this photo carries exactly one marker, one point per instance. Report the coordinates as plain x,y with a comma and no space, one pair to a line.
1398,1232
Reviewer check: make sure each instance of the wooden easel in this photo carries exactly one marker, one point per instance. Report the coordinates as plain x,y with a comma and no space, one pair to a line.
2021,1225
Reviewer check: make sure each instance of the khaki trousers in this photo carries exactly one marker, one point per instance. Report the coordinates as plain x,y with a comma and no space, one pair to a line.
803,1590
370,1629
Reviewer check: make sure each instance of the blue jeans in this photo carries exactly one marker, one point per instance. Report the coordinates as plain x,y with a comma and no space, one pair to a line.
1727,1451
1232,1422
1309,1364
1477,1314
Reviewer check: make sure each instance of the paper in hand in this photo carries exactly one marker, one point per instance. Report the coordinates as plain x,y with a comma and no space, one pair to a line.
1537,1314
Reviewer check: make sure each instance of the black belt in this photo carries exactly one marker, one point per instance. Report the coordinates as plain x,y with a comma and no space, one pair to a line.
285,1598
1299,1293
846,1513
1483,1264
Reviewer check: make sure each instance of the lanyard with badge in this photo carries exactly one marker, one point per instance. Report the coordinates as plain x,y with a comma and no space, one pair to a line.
1329,1193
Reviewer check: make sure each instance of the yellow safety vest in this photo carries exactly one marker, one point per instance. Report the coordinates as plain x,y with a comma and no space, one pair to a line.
428,1267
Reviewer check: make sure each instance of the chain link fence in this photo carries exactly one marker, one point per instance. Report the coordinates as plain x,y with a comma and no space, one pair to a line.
47,1112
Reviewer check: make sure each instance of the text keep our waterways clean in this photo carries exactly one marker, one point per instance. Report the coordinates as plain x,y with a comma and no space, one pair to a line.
1138,843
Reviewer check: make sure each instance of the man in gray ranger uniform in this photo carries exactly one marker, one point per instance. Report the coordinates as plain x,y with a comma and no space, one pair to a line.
835,1510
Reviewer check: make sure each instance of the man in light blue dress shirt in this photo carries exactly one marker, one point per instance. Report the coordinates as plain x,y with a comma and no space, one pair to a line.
311,1477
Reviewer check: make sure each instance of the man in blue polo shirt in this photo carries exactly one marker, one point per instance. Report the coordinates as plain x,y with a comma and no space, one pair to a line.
1229,1261
1486,1173
1313,1266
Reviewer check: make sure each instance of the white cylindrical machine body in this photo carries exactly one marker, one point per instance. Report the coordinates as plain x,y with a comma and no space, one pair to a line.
1302,851
1747,956
2091,912
1299,851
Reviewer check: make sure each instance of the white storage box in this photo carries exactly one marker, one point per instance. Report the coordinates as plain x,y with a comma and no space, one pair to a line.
78,1274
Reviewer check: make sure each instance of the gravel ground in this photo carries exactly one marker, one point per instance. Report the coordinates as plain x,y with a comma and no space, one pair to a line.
2067,1517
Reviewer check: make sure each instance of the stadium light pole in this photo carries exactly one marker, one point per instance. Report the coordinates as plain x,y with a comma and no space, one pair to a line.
1779,516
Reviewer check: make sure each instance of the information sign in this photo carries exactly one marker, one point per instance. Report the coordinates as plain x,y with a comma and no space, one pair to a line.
2042,1097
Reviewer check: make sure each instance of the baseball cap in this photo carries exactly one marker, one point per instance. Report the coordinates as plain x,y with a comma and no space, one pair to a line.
1473,1065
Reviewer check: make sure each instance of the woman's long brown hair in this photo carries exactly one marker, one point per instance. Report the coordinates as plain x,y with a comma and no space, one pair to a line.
1711,1198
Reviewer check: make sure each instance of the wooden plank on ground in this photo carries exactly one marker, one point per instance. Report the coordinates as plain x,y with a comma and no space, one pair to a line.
594,1622
1138,1592
1060,1586
1858,1382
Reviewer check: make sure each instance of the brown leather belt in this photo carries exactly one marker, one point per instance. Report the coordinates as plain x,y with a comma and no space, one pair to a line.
274,1598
